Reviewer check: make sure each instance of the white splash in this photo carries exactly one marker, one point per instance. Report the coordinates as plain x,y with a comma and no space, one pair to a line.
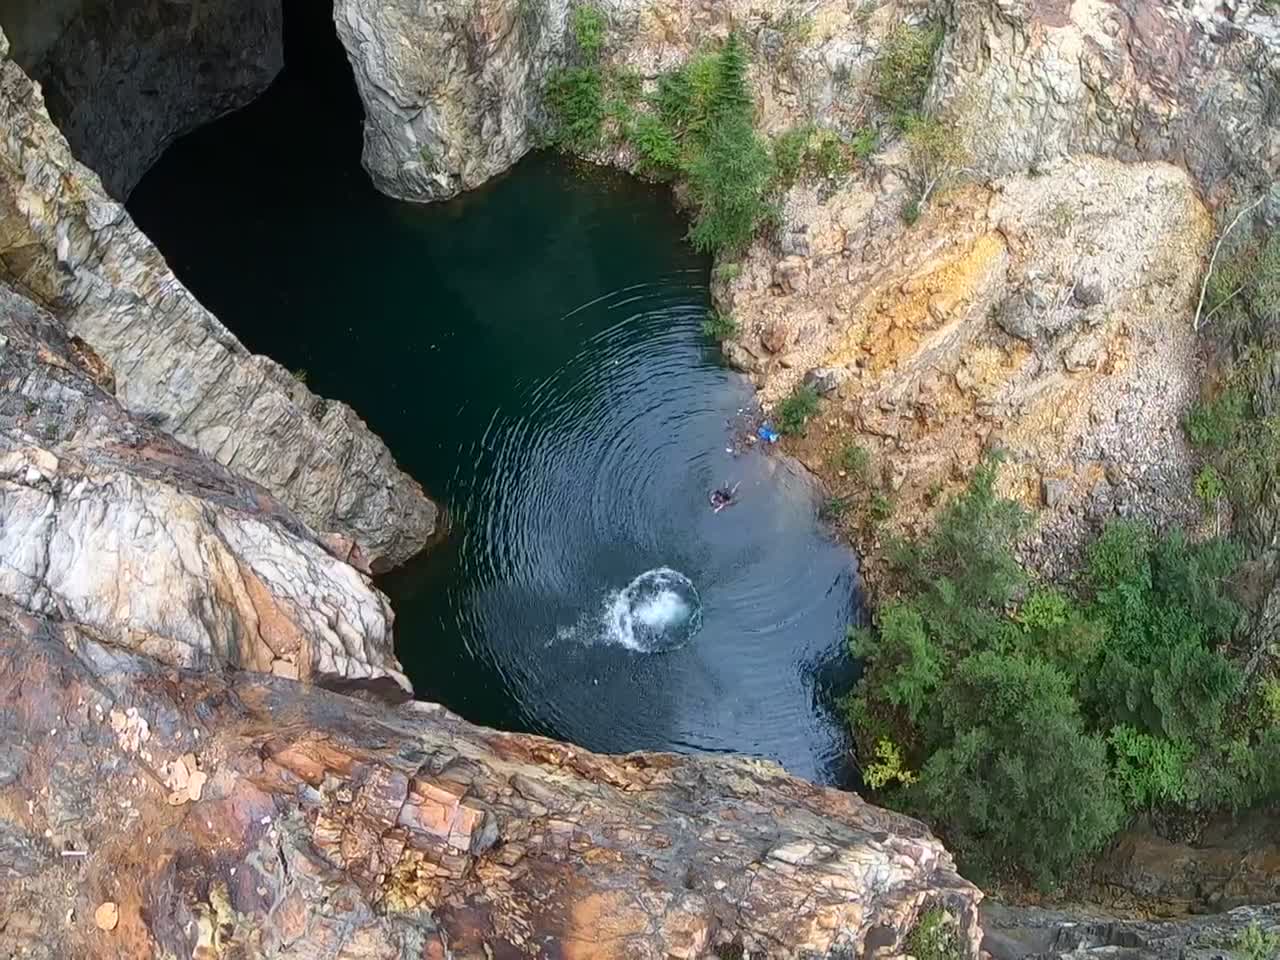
659,610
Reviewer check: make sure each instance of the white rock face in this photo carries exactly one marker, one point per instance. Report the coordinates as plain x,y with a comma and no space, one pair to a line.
110,523
78,252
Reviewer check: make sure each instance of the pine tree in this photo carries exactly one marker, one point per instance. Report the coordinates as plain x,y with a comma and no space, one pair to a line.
733,97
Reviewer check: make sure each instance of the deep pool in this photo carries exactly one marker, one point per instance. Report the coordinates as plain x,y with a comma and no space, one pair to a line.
533,354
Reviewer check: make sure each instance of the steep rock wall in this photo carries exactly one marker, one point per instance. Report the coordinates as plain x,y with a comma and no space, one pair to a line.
72,247
125,78
111,523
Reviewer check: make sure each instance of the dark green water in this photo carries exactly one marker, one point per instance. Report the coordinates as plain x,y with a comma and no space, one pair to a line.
533,354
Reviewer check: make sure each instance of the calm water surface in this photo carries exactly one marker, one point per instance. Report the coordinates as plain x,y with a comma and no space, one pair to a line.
533,354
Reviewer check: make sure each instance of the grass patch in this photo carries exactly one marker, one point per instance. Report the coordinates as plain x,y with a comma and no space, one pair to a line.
855,461
936,936
794,412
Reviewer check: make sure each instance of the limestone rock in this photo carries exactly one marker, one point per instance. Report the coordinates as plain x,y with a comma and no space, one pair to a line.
64,240
125,78
334,827
111,523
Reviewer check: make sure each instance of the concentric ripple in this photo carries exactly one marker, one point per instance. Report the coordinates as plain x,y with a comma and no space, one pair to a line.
534,355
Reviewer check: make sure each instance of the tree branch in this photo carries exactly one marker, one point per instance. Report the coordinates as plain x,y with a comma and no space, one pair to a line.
1217,248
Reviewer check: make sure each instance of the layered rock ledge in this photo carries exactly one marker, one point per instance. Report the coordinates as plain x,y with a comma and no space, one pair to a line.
75,250
246,815
111,523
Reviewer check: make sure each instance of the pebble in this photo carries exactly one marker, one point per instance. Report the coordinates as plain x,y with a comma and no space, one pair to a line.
107,916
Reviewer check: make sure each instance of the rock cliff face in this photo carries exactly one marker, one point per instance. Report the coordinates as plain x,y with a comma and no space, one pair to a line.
252,816
75,249
110,523
124,78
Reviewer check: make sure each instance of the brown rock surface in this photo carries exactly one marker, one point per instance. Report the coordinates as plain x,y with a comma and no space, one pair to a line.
332,827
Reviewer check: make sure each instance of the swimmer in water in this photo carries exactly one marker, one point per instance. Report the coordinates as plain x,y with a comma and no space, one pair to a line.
721,498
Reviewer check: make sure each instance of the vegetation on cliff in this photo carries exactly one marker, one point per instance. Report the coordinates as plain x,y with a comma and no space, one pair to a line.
1027,721
695,125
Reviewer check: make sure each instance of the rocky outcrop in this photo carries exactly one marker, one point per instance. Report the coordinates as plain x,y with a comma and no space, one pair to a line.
1235,862
125,78
1018,933
148,814
68,244
450,87
112,524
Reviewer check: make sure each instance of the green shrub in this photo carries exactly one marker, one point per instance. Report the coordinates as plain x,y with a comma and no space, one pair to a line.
1017,780
588,25
855,460
1254,944
809,150
903,69
719,326
1037,717
789,149
575,96
936,936
728,272
1209,486
865,142
698,125
794,412
655,145
880,507
1215,423
909,662
727,182
833,508
887,768
1148,770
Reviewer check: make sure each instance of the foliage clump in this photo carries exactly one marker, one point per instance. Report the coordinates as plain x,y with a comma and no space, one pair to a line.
697,125
794,411
808,150
936,936
719,325
1040,718
904,68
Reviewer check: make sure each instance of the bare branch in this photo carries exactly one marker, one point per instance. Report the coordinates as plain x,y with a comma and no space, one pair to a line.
1217,248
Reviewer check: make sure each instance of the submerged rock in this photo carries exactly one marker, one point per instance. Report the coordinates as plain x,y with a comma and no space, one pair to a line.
112,524
331,827
77,251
